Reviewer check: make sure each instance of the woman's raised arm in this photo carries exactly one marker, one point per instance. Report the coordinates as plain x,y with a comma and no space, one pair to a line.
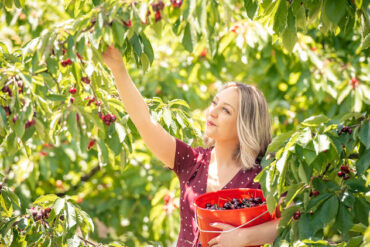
158,140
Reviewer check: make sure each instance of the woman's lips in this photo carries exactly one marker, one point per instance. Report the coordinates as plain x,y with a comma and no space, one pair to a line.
210,123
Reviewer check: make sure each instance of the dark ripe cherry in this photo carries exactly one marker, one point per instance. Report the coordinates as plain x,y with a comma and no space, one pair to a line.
227,205
344,169
48,210
349,131
316,193
340,174
5,89
72,90
107,117
346,176
297,215
158,16
208,205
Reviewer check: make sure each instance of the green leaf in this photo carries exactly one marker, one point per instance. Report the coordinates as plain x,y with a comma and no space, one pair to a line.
118,33
344,219
136,44
290,35
321,143
278,141
365,43
121,132
56,97
325,213
304,225
58,205
167,117
148,50
15,199
364,135
46,199
281,16
71,215
335,10
145,63
315,120
103,152
363,162
189,38
251,7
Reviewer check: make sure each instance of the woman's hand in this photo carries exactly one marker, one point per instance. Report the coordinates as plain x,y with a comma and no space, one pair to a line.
236,238
112,57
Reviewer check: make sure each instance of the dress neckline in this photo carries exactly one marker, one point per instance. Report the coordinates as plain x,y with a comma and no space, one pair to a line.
207,170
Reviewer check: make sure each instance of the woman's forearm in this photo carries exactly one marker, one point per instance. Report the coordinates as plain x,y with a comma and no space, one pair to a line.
133,101
260,234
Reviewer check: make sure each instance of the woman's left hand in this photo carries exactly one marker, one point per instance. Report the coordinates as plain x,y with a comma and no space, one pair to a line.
227,239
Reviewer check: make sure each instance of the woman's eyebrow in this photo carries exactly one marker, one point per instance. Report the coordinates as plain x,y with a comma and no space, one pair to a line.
226,103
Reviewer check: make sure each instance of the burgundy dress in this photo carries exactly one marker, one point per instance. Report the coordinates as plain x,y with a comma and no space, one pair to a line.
191,167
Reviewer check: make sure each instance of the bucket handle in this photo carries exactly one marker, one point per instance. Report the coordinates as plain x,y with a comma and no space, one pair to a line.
235,228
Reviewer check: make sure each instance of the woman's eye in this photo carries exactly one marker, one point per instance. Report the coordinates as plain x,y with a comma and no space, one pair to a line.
226,110
213,102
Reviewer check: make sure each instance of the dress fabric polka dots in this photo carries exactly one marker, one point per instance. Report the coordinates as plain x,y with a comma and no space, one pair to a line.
191,167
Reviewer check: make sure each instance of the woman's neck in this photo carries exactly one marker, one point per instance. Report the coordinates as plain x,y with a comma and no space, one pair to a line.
223,153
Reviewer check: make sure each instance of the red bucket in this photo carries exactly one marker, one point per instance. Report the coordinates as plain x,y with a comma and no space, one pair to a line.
244,217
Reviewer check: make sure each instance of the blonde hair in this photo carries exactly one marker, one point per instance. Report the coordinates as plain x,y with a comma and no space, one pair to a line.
253,125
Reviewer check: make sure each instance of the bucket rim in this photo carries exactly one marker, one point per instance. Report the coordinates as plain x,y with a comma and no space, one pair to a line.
226,190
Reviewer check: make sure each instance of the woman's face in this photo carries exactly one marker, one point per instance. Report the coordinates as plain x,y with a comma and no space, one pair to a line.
222,116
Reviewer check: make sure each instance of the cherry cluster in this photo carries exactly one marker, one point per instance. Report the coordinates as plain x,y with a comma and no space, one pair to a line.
157,8
237,204
345,129
344,172
6,89
107,118
39,213
66,62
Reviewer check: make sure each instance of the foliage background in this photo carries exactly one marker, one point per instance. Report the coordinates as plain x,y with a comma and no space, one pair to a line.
310,58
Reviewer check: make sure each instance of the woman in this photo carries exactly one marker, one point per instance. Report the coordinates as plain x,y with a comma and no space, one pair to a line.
237,135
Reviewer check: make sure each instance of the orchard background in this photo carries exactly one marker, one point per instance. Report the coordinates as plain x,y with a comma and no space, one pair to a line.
73,169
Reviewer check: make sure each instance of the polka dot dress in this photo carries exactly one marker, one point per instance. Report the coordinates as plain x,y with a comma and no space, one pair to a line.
191,167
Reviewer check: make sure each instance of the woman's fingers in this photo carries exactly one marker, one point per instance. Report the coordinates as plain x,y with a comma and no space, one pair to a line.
222,226
214,241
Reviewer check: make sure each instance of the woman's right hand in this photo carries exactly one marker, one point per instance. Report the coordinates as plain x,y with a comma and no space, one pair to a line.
112,57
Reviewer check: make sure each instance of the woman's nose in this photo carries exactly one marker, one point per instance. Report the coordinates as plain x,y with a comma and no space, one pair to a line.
213,111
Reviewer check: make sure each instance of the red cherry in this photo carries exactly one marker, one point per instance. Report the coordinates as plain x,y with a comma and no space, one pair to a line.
344,169
203,53
176,3
72,90
91,143
66,62
113,118
340,174
107,118
15,118
127,24
316,193
158,16
297,215
85,79
313,48
71,100
79,56
64,51
166,198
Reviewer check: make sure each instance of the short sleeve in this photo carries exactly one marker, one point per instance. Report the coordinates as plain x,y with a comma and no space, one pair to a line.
186,160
